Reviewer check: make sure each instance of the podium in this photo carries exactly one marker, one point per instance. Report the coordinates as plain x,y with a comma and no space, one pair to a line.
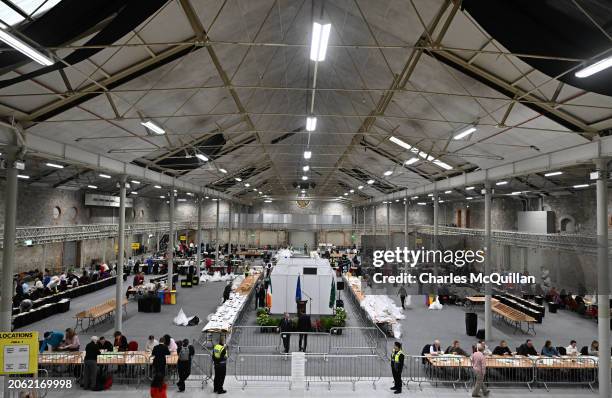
301,306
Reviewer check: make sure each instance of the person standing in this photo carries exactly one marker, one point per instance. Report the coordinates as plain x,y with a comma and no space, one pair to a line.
304,326
220,362
402,294
226,291
90,363
285,328
159,354
479,366
183,365
397,365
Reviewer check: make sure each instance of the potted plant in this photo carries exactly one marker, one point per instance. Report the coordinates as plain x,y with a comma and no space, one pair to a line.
339,320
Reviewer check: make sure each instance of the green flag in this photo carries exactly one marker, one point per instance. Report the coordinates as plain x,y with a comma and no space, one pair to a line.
332,295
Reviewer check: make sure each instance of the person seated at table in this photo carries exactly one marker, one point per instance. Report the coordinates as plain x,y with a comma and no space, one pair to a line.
46,277
120,342
456,349
169,341
436,348
25,305
71,342
485,351
502,349
84,279
138,279
52,341
105,345
549,350
151,343
527,349
572,349
593,349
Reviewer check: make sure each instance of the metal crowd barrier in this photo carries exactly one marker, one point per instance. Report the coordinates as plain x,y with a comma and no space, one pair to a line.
66,365
437,370
124,367
510,370
317,342
356,340
34,387
578,370
342,369
262,368
262,339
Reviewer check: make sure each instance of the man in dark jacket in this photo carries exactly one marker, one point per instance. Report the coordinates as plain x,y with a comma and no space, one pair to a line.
285,328
397,365
304,326
90,362
227,291
159,357
185,353
527,349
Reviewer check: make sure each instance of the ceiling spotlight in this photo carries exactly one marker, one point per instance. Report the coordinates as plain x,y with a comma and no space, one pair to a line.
206,197
189,194
307,154
516,193
134,193
306,168
388,172
440,163
303,191
346,194
553,173
202,157
370,182
411,161
469,188
430,195
238,179
181,200
55,165
465,133
469,198
92,187
104,175
581,186
157,186
267,201
304,178
223,171
399,142
311,123
396,200
414,197
594,68
153,127
422,204
162,197
352,191
501,183
447,192
320,37
255,189
246,184
360,187
26,49
135,182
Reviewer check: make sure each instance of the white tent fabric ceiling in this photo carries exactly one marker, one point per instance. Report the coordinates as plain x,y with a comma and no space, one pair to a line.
249,87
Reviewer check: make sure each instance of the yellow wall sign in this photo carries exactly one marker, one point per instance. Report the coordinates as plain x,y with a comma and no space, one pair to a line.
419,241
135,246
182,237
18,352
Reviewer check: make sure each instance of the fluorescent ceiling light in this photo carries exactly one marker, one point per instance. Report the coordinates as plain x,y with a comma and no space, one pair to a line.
267,201
307,154
25,49
246,184
430,194
399,142
422,204
304,178
104,175
411,161
134,193
238,179
360,187
516,193
202,157
162,197
501,182
311,123
205,197
465,133
592,69
469,198
370,182
388,172
158,186
303,191
23,176
182,200
92,187
260,192
255,189
320,37
189,194
352,191
346,194
223,171
553,173
581,186
306,168
55,165
426,156
214,199
414,197
440,201
153,127
447,192
135,182
469,188
440,163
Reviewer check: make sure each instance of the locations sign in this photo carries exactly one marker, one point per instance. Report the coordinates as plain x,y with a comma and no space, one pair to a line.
19,352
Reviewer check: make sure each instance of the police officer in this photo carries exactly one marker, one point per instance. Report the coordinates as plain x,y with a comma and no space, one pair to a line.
220,361
397,365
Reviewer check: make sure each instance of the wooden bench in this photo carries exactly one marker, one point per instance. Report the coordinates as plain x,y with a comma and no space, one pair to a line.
514,317
98,313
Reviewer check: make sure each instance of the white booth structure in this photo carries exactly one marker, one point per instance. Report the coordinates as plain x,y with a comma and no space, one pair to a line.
316,278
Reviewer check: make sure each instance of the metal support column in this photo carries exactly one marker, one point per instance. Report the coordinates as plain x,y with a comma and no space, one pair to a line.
217,236
229,229
603,278
239,240
199,236
121,247
436,225
406,228
488,315
8,254
171,239
374,220
388,245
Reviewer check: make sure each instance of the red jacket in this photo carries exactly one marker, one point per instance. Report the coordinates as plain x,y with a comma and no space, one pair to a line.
159,392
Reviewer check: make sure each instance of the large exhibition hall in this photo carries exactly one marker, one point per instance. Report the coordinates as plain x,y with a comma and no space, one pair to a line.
305,198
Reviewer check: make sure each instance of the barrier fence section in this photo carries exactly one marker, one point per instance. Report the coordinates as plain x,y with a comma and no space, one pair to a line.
262,368
578,370
342,369
66,365
510,370
128,367
255,339
357,340
436,370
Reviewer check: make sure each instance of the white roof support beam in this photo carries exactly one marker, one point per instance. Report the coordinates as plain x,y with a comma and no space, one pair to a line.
566,157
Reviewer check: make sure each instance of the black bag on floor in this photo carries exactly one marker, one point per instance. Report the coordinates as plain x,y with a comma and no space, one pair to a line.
193,321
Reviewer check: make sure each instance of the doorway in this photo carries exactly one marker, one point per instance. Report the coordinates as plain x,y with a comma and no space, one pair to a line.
458,219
